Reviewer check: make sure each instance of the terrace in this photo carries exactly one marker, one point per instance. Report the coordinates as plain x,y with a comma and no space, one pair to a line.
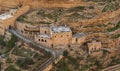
60,29
5,16
8,15
33,28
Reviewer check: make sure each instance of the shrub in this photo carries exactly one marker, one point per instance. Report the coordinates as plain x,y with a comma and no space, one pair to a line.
24,62
11,68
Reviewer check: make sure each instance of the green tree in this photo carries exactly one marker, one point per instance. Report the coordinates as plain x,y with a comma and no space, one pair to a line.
8,60
11,68
11,43
2,42
98,64
65,53
24,62
0,65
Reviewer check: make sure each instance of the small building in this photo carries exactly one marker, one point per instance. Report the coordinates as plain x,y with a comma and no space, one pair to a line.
94,47
61,35
4,19
78,38
8,15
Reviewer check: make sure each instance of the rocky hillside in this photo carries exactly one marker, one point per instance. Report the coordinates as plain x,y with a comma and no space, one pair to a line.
35,4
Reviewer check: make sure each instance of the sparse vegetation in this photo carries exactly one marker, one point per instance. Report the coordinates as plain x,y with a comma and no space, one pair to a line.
22,52
24,62
22,58
68,64
115,28
109,7
11,68
117,36
2,42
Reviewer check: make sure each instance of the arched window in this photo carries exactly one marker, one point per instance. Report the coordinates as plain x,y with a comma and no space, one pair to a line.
76,40
45,32
21,31
42,40
52,45
10,27
92,48
45,40
68,45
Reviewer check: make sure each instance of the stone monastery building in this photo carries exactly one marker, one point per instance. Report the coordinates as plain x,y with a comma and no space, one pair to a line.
50,36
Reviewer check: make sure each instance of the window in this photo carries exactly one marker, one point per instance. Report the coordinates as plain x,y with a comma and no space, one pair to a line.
21,31
76,39
45,40
92,48
42,40
10,26
45,32
68,45
52,45
26,26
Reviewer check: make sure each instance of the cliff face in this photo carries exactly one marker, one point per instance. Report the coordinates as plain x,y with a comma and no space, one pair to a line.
35,4
9,3
5,5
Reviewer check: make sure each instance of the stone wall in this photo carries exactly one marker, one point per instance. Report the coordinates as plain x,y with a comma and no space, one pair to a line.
62,38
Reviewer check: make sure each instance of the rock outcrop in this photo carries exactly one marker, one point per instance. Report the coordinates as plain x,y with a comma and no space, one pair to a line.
36,4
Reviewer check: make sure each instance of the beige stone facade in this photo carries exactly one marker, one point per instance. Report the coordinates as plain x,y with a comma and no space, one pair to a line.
4,20
94,46
27,29
54,36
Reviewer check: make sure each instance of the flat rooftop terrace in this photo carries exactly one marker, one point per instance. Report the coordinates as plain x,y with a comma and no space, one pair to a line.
5,16
60,29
